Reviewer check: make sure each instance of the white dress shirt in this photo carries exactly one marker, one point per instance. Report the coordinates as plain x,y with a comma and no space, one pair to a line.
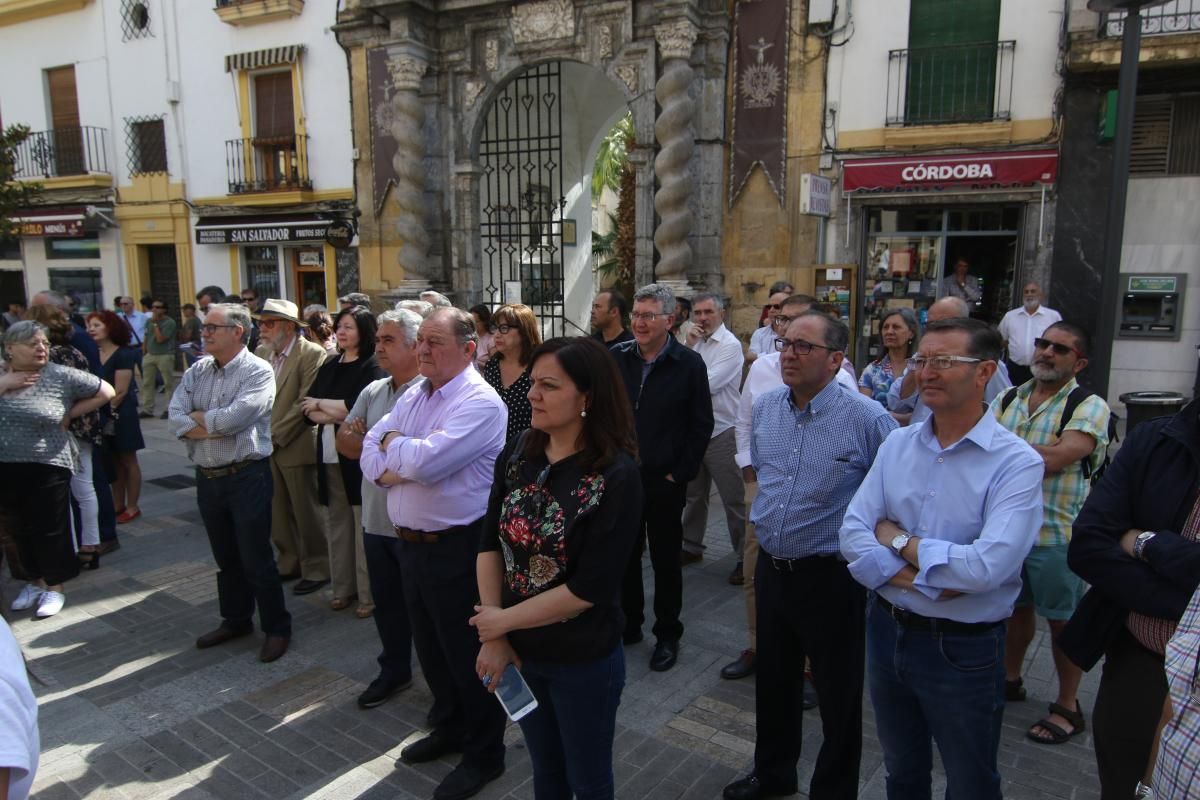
722,354
1019,328
762,341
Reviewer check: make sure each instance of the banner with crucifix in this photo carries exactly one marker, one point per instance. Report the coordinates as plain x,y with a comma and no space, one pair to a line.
760,74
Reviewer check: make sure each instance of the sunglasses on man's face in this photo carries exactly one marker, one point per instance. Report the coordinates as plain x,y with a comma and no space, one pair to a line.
1059,349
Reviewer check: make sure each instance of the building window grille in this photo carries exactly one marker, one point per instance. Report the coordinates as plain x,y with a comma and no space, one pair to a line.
145,145
1166,136
135,20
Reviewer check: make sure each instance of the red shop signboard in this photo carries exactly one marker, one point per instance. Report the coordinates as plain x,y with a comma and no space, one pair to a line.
970,171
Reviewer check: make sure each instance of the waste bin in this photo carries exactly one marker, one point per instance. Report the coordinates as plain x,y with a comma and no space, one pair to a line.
1141,406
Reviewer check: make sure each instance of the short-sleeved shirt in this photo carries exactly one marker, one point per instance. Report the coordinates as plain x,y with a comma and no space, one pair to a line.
373,404
563,524
31,419
1064,492
877,378
155,347
19,743
86,428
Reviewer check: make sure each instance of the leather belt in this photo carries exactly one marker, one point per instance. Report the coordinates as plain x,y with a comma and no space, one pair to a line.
420,537
916,622
227,470
794,564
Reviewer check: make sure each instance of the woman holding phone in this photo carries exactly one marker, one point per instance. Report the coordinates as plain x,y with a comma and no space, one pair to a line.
563,516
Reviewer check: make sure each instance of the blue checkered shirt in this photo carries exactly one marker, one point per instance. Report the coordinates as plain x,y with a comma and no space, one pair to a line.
810,462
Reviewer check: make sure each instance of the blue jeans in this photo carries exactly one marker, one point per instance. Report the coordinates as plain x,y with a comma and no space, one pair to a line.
570,734
948,686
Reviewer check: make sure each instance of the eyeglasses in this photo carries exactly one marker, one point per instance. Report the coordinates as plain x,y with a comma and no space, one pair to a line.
798,346
917,363
501,328
782,319
648,316
1059,349
211,328
774,306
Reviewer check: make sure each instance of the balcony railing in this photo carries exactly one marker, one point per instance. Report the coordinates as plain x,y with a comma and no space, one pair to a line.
267,164
949,84
1177,16
62,152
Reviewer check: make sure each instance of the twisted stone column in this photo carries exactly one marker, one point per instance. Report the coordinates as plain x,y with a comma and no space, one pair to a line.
673,130
408,164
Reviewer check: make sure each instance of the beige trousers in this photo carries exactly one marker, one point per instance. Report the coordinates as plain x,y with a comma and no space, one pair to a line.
347,560
298,523
749,562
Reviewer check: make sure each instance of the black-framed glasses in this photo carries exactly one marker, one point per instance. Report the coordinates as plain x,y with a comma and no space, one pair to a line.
211,328
1059,349
798,346
917,363
502,329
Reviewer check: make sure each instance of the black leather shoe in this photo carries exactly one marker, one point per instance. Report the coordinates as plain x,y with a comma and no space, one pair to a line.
222,634
285,577
736,578
380,691
273,647
745,665
666,652
750,788
633,637
431,748
466,781
308,587
809,698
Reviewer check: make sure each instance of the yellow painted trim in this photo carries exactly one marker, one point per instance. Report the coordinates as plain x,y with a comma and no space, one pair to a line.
1095,54
134,269
94,181
273,199
156,188
243,83
235,270
187,270
978,133
331,295
15,11
253,12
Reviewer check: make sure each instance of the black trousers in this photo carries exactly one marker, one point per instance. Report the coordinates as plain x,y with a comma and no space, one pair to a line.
440,592
817,611
391,614
662,526
35,500
1125,718
236,510
1018,373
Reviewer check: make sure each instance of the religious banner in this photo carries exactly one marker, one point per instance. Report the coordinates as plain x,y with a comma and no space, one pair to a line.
383,143
760,72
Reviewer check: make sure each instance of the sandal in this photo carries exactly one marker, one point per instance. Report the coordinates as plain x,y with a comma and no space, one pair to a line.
364,610
1057,734
339,603
88,559
1014,691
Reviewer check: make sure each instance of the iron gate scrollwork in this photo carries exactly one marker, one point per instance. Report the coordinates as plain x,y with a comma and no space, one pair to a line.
522,200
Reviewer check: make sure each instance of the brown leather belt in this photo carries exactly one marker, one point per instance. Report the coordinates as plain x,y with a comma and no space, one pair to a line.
420,537
230,469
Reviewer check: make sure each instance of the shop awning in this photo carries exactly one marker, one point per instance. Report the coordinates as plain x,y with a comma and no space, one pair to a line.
261,229
67,222
268,57
971,171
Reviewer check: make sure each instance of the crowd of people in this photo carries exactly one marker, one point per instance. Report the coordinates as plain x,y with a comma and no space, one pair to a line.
487,498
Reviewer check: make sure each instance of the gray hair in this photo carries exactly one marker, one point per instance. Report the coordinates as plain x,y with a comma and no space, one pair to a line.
961,309
462,323
659,292
312,308
436,299
705,297
408,321
20,333
419,307
234,313
56,299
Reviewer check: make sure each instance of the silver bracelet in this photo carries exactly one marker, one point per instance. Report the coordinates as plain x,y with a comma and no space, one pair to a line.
1143,790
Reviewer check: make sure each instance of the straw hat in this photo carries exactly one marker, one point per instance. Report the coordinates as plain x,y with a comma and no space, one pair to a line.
279,309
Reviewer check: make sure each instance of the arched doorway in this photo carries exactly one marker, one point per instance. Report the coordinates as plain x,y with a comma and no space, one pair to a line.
535,149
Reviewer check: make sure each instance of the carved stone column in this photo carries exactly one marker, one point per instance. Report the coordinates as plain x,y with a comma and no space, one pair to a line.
408,163
673,130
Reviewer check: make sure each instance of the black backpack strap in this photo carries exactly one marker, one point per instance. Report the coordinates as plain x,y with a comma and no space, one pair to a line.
1009,396
1077,396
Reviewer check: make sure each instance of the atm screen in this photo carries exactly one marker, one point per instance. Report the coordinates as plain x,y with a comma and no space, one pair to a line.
1142,309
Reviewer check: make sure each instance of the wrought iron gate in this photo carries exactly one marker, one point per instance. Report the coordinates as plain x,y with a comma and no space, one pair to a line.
522,200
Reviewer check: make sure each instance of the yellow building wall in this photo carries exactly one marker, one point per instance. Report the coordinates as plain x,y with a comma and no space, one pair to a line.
150,211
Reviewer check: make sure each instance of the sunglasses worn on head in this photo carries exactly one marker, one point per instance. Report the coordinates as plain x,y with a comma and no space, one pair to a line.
1059,349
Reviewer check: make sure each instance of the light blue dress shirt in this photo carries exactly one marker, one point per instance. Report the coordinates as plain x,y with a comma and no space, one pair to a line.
809,462
998,383
976,505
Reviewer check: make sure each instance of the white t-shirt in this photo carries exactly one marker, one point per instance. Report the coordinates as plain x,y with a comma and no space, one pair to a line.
19,743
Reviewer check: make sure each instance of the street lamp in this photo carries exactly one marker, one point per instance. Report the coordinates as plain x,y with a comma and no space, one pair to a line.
1110,276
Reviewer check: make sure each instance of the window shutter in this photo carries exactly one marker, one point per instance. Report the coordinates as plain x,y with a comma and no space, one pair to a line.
273,109
1150,146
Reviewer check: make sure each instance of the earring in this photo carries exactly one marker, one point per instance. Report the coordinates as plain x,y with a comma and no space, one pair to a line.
583,413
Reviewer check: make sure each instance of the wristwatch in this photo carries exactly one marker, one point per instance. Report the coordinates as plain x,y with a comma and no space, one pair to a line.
1139,544
900,542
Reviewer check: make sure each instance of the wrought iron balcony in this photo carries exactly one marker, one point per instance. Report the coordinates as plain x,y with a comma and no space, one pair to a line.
1176,16
267,164
950,84
62,152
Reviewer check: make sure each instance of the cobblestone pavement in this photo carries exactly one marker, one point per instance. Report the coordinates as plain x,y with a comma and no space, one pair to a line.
129,707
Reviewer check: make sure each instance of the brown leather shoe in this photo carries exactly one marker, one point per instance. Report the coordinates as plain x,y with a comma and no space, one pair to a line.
736,578
273,648
222,634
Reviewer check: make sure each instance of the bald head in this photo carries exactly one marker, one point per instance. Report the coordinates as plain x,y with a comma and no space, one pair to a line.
949,308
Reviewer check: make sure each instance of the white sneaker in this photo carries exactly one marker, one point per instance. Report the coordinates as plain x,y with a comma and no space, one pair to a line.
28,596
50,604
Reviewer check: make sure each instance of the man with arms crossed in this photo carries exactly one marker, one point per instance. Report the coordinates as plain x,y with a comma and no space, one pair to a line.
939,530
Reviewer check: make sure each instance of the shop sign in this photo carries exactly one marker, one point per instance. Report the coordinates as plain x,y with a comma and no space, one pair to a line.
67,229
340,234
816,195
262,233
972,171
1157,284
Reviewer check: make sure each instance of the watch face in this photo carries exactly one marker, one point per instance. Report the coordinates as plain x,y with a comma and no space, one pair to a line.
900,541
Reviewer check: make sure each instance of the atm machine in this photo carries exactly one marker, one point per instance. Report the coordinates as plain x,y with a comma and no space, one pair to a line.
1151,306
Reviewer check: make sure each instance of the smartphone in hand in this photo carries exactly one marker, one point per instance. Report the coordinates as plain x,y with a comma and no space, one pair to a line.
514,694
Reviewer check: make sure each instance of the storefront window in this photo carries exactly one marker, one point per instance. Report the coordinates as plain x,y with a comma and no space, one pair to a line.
86,246
10,249
262,270
82,284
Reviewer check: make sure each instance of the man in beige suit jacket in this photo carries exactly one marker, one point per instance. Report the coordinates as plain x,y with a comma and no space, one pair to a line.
296,519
